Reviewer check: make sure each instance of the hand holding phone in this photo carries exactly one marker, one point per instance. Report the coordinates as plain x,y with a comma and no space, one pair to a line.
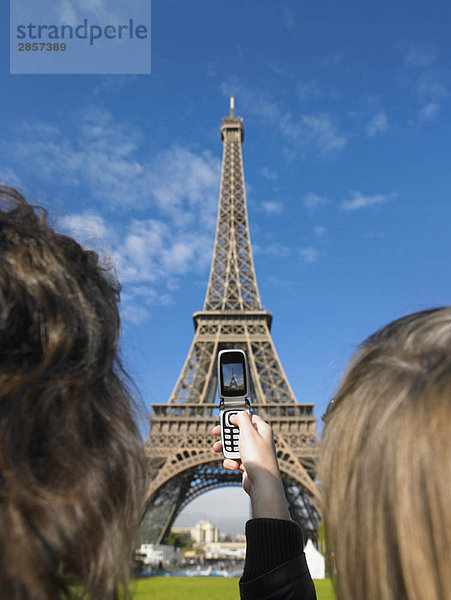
258,462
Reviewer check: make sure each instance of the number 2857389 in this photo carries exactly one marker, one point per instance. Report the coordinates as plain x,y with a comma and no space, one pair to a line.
41,47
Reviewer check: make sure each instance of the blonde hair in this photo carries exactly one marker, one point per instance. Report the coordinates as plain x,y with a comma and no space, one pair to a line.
386,464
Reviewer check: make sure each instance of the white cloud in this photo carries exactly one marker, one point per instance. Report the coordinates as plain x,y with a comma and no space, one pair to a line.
288,18
277,282
152,250
309,132
103,160
309,254
429,112
429,81
113,83
323,133
377,124
319,231
180,178
267,173
252,101
429,88
359,200
88,227
183,255
334,58
133,311
419,56
313,201
272,208
65,13
72,12
308,90
9,177
100,153
272,249
431,93
107,157
148,255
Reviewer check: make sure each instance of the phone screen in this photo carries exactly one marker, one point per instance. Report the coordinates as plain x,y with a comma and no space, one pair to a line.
233,376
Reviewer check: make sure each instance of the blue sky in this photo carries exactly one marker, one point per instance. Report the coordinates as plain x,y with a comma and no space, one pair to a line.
347,164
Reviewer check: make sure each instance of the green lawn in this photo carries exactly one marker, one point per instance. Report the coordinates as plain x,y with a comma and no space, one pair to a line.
324,589
203,588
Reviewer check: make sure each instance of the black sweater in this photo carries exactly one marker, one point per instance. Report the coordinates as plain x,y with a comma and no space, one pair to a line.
275,567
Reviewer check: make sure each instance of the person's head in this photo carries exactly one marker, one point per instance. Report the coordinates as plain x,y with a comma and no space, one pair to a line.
386,464
71,458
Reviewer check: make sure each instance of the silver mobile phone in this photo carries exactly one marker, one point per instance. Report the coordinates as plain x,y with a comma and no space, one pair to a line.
233,391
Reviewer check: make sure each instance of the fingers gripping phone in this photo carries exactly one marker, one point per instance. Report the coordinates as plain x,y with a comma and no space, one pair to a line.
233,391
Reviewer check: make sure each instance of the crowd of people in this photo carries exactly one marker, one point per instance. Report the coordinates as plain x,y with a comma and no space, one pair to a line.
73,470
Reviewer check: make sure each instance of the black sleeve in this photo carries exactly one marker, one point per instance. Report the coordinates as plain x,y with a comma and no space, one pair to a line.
275,567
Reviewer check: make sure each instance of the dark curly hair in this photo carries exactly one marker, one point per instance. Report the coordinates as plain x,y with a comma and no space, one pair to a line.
72,468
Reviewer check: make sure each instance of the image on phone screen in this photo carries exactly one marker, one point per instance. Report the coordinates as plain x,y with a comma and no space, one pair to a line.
233,378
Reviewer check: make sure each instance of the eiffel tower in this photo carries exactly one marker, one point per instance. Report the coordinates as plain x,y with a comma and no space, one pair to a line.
233,384
182,464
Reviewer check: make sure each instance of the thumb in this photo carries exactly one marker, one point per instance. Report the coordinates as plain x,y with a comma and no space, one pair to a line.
242,420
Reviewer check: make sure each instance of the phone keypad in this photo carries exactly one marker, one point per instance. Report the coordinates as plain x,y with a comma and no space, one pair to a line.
231,434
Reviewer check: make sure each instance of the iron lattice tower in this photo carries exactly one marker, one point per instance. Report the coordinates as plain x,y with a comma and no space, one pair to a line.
182,463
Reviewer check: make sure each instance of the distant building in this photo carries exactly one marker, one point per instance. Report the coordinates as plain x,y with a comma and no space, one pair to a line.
211,543
159,554
218,550
204,532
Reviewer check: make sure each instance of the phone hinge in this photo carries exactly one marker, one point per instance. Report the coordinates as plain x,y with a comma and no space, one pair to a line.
229,403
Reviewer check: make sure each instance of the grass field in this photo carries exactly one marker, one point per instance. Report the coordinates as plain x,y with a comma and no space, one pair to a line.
203,588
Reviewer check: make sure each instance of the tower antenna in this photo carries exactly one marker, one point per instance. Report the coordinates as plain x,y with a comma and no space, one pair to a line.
232,106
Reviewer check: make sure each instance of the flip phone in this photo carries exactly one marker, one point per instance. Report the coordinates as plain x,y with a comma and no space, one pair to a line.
233,391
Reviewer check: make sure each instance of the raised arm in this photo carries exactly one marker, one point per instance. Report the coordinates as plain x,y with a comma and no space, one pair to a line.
275,567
